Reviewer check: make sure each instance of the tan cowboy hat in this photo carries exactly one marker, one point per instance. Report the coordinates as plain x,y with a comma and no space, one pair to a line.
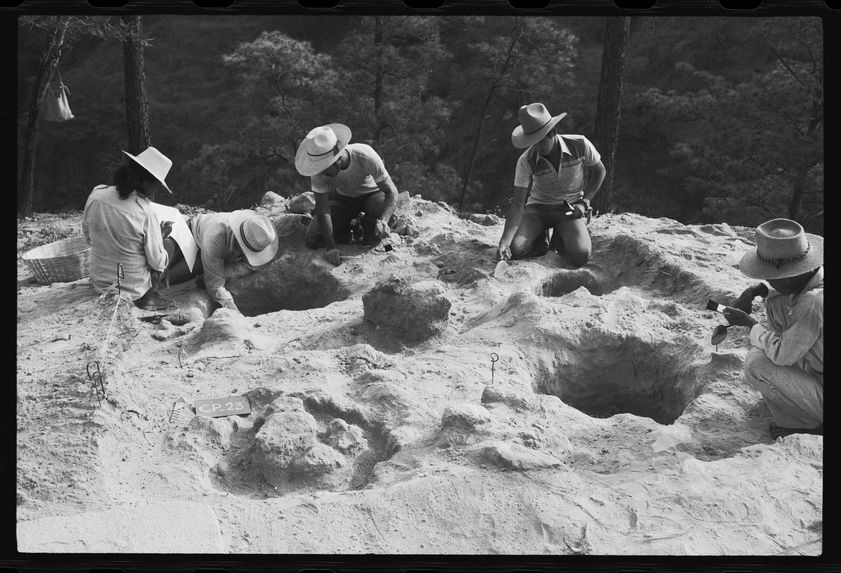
256,236
321,148
155,163
783,250
535,123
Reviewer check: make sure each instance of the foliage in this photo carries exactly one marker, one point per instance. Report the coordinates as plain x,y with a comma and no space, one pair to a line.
280,78
386,64
721,117
740,147
531,60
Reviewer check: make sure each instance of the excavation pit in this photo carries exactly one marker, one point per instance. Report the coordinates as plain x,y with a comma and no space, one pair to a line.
565,282
289,284
616,375
631,261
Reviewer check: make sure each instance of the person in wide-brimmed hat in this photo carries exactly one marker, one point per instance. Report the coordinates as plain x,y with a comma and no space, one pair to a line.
121,228
786,361
347,179
557,175
232,245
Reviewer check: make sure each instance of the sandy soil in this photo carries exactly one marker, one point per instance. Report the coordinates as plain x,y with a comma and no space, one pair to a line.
608,425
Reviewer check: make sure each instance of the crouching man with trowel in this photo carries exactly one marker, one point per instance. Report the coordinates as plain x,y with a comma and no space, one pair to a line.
232,245
786,361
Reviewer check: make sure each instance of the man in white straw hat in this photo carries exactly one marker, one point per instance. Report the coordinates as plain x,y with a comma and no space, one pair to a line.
560,174
232,245
122,229
786,361
346,178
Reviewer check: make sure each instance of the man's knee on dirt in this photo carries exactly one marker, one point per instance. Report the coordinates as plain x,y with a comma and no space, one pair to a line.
521,248
577,257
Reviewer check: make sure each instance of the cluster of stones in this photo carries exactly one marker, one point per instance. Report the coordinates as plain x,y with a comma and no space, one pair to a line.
290,446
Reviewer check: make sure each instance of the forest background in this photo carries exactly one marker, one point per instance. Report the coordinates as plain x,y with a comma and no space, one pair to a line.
721,118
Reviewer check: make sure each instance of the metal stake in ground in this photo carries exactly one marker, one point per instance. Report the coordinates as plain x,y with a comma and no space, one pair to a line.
96,380
494,358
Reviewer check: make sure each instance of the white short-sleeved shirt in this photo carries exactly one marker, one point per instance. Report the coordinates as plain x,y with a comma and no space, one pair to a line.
551,186
359,178
220,260
124,231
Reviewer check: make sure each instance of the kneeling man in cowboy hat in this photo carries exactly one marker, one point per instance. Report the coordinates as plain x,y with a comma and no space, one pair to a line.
786,361
232,245
346,178
559,174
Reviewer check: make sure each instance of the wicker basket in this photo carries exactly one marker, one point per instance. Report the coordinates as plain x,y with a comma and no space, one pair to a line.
60,261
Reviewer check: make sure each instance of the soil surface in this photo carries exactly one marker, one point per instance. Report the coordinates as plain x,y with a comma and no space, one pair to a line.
550,410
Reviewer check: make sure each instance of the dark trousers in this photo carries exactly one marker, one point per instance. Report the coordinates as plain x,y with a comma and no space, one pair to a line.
529,241
342,210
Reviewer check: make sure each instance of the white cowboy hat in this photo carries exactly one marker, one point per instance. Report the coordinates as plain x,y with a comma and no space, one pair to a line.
321,148
783,250
535,123
155,163
256,236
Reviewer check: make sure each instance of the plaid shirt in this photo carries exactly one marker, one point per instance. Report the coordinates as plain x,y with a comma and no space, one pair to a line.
550,186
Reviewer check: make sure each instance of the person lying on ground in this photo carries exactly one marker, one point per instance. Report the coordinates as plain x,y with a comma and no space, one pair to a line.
231,245
786,359
121,228
556,178
346,178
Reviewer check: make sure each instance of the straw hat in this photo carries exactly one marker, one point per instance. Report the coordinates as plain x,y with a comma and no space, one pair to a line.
321,148
535,123
155,163
783,250
256,236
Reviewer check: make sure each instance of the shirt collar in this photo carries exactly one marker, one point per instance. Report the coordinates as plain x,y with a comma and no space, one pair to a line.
564,148
815,281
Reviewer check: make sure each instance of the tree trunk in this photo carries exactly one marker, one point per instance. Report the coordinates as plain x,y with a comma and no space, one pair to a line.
379,81
137,106
802,175
617,31
515,36
797,192
49,62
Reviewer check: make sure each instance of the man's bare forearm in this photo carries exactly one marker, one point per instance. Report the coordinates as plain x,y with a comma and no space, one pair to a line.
325,222
512,222
595,178
390,204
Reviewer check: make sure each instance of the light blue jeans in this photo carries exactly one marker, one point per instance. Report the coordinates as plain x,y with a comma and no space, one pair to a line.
794,396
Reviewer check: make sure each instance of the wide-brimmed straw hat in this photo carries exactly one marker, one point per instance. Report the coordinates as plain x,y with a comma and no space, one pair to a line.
783,250
256,236
154,162
535,123
321,148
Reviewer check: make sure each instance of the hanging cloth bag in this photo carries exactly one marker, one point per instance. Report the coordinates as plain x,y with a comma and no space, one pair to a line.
57,105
